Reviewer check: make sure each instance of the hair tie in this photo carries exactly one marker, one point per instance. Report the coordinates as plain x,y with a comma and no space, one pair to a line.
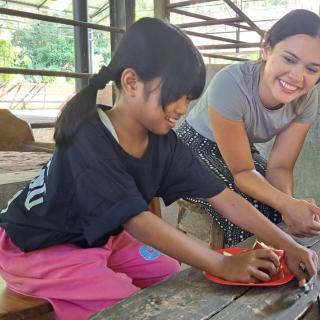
100,79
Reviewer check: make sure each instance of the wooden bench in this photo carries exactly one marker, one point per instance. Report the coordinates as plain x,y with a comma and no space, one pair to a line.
12,305
195,221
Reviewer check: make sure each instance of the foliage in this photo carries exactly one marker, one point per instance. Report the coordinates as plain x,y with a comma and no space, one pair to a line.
8,57
45,46
48,46
267,3
101,48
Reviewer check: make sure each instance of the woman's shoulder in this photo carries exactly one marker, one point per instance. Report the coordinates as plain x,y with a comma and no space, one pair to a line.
241,75
241,69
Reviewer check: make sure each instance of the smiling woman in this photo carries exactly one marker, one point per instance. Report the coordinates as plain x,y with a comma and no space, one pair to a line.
254,102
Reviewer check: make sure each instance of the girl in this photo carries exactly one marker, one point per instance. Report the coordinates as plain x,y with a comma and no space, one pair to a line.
81,235
253,102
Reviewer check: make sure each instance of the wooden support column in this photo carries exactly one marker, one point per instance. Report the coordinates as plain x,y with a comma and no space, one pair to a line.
122,15
161,10
82,48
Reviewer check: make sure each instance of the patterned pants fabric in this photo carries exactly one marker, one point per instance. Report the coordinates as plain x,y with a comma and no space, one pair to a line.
208,153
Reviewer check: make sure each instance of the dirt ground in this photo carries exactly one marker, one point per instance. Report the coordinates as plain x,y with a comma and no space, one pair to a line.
11,161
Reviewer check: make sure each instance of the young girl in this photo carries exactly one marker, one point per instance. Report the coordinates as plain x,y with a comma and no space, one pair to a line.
253,102
80,235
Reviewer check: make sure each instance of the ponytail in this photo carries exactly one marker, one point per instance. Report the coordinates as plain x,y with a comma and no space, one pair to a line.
154,49
80,108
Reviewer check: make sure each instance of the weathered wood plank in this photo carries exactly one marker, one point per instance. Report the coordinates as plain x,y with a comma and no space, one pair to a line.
276,303
16,306
313,313
187,295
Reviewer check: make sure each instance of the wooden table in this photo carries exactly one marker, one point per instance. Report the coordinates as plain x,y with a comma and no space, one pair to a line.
189,295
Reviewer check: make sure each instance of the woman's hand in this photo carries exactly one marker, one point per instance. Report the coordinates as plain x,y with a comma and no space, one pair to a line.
302,217
302,257
251,267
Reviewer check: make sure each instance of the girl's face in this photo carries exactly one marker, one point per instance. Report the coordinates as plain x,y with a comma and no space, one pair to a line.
159,120
291,69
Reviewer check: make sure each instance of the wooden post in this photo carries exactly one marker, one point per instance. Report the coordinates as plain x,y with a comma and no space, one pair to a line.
160,9
122,14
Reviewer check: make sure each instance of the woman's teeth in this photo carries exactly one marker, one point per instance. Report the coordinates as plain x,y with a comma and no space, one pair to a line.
287,85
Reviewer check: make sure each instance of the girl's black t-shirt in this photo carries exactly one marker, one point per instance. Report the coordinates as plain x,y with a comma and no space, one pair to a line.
89,189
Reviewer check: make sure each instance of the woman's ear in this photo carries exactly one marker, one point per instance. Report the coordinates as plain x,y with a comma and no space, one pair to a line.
129,82
265,51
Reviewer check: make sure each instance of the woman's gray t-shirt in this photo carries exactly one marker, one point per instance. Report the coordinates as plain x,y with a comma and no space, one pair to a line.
234,93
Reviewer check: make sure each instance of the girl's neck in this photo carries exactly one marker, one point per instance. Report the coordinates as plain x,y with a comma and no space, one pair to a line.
133,137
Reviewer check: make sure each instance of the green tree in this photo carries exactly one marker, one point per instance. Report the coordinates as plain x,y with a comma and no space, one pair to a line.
45,46
8,57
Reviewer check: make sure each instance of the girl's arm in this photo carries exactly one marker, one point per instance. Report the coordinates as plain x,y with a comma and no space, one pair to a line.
246,267
150,229
243,214
232,140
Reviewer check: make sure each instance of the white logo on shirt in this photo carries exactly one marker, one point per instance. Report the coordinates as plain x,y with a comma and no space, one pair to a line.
37,189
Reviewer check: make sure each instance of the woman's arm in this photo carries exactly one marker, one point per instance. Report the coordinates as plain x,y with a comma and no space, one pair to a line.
283,156
233,143
232,140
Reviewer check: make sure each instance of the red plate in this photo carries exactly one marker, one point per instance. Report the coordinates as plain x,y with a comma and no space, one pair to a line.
288,276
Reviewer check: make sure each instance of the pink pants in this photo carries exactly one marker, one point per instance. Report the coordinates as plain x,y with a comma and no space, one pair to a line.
81,282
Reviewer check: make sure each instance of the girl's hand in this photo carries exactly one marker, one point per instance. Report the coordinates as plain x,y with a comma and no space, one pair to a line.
302,217
251,267
305,257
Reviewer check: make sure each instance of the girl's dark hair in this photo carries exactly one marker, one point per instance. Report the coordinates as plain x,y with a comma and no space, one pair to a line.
298,21
153,48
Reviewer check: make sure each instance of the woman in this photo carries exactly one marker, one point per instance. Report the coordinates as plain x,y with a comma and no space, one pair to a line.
254,102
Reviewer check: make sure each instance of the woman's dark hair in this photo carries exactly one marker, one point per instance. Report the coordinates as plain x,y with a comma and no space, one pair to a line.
298,21
153,48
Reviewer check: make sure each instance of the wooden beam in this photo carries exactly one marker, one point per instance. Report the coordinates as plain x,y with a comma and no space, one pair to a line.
200,16
70,22
191,14
245,18
44,73
218,56
209,36
186,3
229,46
208,22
